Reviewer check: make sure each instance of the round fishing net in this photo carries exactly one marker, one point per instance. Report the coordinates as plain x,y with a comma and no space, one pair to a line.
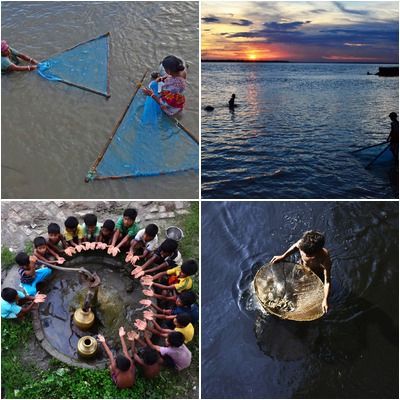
290,291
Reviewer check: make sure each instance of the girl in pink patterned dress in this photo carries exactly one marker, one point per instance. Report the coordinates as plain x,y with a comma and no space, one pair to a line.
171,98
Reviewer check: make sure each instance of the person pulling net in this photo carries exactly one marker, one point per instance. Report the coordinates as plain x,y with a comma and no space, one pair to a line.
11,59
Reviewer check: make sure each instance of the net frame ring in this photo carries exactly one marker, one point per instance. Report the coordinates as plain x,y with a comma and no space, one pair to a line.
312,309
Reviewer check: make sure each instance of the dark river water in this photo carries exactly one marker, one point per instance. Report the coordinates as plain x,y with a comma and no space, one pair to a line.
52,133
293,131
352,352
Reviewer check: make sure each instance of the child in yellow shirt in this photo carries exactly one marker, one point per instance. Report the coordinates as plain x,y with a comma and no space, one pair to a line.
182,324
74,233
179,277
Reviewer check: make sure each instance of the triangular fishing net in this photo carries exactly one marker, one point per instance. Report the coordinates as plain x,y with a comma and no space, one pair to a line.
377,157
84,66
290,291
145,142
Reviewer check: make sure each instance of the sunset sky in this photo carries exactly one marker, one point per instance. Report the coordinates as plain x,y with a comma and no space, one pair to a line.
301,31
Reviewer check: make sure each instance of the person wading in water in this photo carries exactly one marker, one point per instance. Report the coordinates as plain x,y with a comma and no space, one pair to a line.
393,137
231,102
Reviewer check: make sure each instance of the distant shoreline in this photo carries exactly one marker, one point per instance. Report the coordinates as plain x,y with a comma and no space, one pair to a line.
296,62
247,61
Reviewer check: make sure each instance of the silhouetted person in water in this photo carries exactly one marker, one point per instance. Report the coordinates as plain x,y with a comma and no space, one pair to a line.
393,137
231,102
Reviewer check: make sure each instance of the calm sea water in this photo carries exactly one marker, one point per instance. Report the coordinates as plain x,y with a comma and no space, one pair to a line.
352,352
293,131
52,133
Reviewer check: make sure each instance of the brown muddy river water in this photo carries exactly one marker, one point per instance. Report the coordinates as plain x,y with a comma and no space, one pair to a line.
51,132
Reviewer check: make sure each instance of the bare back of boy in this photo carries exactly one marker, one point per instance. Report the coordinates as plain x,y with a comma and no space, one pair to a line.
319,263
124,379
149,371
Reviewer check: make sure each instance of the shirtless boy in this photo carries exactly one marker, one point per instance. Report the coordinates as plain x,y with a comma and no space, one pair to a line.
314,256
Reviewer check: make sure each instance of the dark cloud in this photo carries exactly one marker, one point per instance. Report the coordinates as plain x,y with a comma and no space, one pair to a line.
274,30
242,22
210,20
342,7
284,26
318,11
365,33
378,35
269,36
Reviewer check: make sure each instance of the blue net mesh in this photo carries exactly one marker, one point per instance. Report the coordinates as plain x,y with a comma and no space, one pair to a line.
147,143
151,110
84,66
383,152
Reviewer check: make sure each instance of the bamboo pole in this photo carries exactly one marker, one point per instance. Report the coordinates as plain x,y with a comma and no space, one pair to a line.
114,177
179,124
108,66
92,172
85,88
368,147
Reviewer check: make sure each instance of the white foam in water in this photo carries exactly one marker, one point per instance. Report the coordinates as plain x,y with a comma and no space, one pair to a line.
248,301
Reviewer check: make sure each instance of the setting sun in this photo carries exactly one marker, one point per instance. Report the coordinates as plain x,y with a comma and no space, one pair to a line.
299,31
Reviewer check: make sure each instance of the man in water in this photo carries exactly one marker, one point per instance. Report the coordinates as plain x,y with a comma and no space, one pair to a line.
313,256
231,102
393,137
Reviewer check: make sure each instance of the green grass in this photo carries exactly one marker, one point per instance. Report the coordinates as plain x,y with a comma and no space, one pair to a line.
189,246
14,336
7,258
63,382
20,380
28,247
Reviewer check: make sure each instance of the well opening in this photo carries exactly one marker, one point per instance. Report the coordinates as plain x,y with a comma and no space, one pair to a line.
115,305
